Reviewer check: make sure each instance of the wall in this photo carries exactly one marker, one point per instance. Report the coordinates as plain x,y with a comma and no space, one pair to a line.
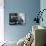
43,6
1,21
29,7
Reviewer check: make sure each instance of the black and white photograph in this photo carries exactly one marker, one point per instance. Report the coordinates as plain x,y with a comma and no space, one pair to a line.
16,18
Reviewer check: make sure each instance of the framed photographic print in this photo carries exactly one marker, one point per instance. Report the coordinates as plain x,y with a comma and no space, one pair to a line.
16,18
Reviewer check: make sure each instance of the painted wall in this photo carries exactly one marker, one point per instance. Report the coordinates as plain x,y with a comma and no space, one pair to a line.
43,6
1,21
29,7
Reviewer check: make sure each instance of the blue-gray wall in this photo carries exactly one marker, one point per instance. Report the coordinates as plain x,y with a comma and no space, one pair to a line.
29,7
43,6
